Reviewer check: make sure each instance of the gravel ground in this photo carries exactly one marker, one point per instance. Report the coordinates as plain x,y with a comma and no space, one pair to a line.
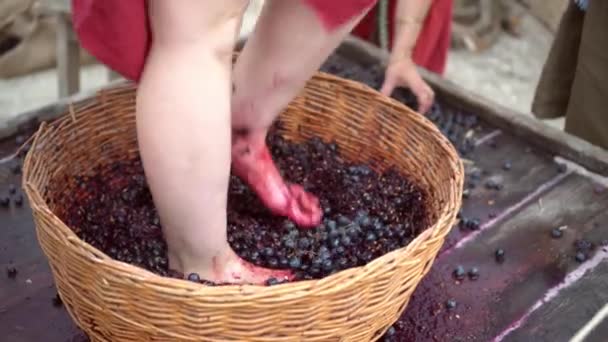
507,73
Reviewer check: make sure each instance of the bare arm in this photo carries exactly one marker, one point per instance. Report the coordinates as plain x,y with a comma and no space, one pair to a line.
402,70
409,19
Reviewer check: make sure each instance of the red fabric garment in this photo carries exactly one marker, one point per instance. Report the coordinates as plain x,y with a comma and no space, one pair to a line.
334,13
433,44
117,32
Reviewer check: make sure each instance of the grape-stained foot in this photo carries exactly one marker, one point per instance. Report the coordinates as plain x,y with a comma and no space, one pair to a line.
252,162
229,268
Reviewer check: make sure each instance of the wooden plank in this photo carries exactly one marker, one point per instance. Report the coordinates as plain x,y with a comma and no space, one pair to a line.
599,333
36,319
10,145
530,171
533,131
534,263
524,126
32,291
68,57
562,317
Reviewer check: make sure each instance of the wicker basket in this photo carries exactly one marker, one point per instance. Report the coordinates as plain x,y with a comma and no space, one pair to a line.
115,301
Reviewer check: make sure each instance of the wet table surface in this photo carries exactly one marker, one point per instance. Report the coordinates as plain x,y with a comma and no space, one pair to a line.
538,291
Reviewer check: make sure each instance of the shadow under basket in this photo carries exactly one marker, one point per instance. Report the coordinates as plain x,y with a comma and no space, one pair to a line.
115,301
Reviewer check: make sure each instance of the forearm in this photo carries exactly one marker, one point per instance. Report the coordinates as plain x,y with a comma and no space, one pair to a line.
409,17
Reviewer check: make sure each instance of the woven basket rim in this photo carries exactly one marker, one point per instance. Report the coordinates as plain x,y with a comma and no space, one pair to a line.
298,289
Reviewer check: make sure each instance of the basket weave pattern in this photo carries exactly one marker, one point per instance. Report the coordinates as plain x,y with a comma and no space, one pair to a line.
115,301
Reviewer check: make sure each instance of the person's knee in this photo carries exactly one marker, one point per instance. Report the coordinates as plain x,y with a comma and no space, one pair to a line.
195,22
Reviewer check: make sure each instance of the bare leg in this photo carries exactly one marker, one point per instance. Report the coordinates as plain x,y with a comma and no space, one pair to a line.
183,124
288,45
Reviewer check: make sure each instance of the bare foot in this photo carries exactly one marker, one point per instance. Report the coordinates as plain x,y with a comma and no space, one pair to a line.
229,268
234,269
252,162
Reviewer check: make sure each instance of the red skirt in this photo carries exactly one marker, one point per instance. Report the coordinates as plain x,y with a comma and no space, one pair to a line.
117,32
433,44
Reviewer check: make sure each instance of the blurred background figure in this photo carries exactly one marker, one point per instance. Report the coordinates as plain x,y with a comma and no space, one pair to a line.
27,38
417,33
574,80
382,24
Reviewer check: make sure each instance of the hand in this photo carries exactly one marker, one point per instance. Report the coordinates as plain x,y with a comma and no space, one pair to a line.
404,73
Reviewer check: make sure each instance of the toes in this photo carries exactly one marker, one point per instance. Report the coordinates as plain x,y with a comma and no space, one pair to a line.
306,201
279,274
304,207
291,201
260,275
250,273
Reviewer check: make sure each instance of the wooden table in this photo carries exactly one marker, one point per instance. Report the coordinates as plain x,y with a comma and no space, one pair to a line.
539,293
